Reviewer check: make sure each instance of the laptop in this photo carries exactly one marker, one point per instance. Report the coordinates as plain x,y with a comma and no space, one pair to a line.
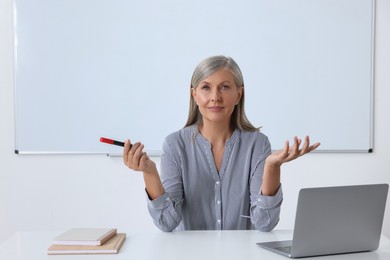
335,220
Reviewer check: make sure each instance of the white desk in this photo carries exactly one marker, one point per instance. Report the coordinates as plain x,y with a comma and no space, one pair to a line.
178,245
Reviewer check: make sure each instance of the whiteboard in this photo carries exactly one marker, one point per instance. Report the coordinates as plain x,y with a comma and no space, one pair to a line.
122,69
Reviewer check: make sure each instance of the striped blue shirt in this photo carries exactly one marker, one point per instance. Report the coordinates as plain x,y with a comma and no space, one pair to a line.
198,197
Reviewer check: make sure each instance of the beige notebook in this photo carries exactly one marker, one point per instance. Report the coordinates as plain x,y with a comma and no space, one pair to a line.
112,246
85,236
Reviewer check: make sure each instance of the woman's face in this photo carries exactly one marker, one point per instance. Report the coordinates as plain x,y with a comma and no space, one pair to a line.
216,96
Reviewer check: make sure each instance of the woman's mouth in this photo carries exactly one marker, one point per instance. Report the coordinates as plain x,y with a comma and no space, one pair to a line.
215,108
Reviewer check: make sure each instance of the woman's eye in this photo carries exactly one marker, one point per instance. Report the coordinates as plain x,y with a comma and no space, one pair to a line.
224,87
205,87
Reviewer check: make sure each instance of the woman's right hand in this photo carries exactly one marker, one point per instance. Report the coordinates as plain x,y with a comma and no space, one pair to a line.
136,159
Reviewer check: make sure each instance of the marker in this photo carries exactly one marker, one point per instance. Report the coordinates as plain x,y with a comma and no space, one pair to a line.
110,141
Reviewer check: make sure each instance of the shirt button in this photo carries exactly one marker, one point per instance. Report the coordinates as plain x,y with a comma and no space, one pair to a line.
219,221
218,202
217,183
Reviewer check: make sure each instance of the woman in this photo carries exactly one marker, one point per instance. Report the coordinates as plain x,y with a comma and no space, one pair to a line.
217,172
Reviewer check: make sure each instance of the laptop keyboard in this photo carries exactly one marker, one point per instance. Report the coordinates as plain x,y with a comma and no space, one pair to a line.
286,249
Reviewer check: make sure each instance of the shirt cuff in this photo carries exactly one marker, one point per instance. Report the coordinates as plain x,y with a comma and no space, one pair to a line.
266,202
159,203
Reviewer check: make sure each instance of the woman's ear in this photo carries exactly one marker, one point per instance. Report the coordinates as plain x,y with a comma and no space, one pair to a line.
193,92
240,93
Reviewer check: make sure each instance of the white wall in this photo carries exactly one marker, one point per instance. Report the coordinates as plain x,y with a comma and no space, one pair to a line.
41,192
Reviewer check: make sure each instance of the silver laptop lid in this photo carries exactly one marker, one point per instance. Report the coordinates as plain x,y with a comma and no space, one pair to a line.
333,220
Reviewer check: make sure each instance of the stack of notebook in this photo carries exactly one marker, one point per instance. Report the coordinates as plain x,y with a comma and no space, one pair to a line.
87,241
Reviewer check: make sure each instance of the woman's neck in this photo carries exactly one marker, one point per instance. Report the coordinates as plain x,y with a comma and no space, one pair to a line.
216,134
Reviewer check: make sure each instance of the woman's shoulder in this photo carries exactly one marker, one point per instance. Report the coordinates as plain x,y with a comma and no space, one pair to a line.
257,142
183,134
181,137
253,136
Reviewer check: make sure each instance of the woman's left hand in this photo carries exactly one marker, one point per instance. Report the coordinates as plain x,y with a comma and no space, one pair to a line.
289,153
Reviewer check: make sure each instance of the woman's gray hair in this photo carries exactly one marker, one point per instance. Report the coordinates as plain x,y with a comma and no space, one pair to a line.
204,69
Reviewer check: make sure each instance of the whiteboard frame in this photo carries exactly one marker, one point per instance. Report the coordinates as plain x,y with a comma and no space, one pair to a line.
156,153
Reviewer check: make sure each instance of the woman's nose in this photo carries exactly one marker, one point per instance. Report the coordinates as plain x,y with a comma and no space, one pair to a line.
216,96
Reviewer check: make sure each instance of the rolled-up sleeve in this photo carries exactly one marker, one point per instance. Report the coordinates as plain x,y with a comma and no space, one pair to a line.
166,210
164,213
265,210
